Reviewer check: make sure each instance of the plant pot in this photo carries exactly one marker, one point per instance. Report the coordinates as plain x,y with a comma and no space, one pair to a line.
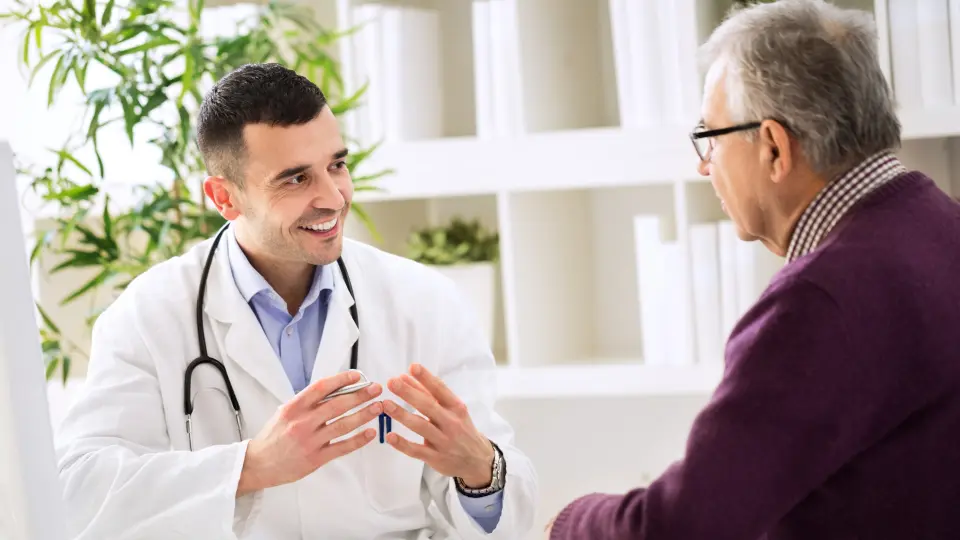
476,282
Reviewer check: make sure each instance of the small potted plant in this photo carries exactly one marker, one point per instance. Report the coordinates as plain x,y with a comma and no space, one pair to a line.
467,253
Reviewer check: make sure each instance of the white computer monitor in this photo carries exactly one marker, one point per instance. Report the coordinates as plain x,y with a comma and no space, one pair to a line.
31,504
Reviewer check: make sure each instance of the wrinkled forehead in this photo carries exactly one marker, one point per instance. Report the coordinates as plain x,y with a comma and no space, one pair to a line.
714,109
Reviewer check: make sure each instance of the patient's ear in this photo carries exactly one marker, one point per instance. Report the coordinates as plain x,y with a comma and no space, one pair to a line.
776,150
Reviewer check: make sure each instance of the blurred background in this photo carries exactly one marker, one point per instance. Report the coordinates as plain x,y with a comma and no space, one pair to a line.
534,150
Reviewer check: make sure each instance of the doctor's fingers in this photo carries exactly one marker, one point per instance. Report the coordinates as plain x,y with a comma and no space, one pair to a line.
407,389
312,394
345,424
339,405
330,452
436,387
415,422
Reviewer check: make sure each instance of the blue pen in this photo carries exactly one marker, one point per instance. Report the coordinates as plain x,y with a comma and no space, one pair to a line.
382,415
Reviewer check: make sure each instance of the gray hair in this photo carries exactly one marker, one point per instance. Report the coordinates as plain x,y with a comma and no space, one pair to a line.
813,67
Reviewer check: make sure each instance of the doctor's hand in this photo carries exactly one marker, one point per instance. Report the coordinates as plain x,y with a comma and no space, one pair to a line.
296,441
453,446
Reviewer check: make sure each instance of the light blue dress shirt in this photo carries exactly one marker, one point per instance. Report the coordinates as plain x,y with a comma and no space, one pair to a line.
296,338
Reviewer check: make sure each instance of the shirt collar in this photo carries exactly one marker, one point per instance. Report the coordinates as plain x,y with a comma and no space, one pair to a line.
250,282
834,200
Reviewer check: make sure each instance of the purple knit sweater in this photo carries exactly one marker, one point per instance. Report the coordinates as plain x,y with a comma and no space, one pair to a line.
838,416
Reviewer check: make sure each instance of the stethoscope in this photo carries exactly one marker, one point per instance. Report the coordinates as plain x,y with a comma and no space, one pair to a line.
205,359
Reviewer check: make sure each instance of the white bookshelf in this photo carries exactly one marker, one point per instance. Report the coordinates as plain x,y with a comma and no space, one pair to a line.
564,183
523,125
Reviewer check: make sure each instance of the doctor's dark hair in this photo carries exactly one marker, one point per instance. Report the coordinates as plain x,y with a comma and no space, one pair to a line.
251,94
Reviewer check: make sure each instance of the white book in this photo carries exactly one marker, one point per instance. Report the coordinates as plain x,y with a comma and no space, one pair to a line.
622,61
705,264
483,69
368,70
413,88
651,276
668,48
685,30
936,75
664,314
905,50
954,14
391,53
728,240
422,98
682,332
507,89
643,60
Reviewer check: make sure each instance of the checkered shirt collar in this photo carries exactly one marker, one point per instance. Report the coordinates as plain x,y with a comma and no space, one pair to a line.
837,198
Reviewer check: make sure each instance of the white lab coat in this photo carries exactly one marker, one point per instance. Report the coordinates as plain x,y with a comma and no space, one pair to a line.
124,460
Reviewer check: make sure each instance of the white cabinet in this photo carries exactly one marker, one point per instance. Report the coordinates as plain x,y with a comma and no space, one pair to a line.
582,128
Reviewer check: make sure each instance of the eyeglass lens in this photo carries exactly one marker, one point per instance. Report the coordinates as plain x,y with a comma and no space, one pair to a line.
702,146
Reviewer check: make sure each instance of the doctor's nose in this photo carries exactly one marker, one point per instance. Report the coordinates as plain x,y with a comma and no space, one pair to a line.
327,193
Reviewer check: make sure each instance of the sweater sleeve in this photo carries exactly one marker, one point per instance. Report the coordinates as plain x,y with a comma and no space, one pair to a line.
795,403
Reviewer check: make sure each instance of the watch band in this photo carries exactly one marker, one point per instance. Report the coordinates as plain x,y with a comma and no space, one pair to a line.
497,480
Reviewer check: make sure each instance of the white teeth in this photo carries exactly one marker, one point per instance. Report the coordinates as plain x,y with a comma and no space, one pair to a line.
323,226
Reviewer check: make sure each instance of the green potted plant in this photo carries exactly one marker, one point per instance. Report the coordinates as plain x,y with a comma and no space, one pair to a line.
467,253
155,64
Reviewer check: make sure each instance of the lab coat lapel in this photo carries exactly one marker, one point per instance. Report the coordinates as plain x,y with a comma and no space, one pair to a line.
339,332
244,341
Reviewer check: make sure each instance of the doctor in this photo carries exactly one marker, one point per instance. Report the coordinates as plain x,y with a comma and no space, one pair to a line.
278,312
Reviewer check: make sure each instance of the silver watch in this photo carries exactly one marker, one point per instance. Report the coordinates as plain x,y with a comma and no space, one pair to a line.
497,481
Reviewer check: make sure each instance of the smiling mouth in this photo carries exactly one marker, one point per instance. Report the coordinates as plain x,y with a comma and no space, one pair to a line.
323,229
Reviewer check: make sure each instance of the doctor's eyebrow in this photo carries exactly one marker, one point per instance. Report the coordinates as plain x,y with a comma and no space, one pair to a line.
340,154
290,171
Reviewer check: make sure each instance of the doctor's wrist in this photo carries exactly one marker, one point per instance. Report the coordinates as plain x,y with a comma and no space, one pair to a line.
482,473
493,480
251,478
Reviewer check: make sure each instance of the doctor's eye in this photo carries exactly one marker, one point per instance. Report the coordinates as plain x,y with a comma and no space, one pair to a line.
340,165
298,179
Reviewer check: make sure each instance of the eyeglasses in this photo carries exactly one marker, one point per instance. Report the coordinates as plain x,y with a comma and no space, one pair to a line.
703,138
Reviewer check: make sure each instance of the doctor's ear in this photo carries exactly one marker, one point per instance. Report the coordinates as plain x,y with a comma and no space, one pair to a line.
220,192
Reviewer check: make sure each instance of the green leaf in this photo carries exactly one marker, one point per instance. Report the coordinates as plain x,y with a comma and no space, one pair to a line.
107,12
80,74
158,41
51,367
43,61
42,241
107,219
54,85
96,281
67,156
78,193
129,117
26,44
156,100
361,213
71,224
47,321
80,259
65,368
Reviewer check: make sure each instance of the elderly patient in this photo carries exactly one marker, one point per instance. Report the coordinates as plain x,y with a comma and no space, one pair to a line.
838,416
